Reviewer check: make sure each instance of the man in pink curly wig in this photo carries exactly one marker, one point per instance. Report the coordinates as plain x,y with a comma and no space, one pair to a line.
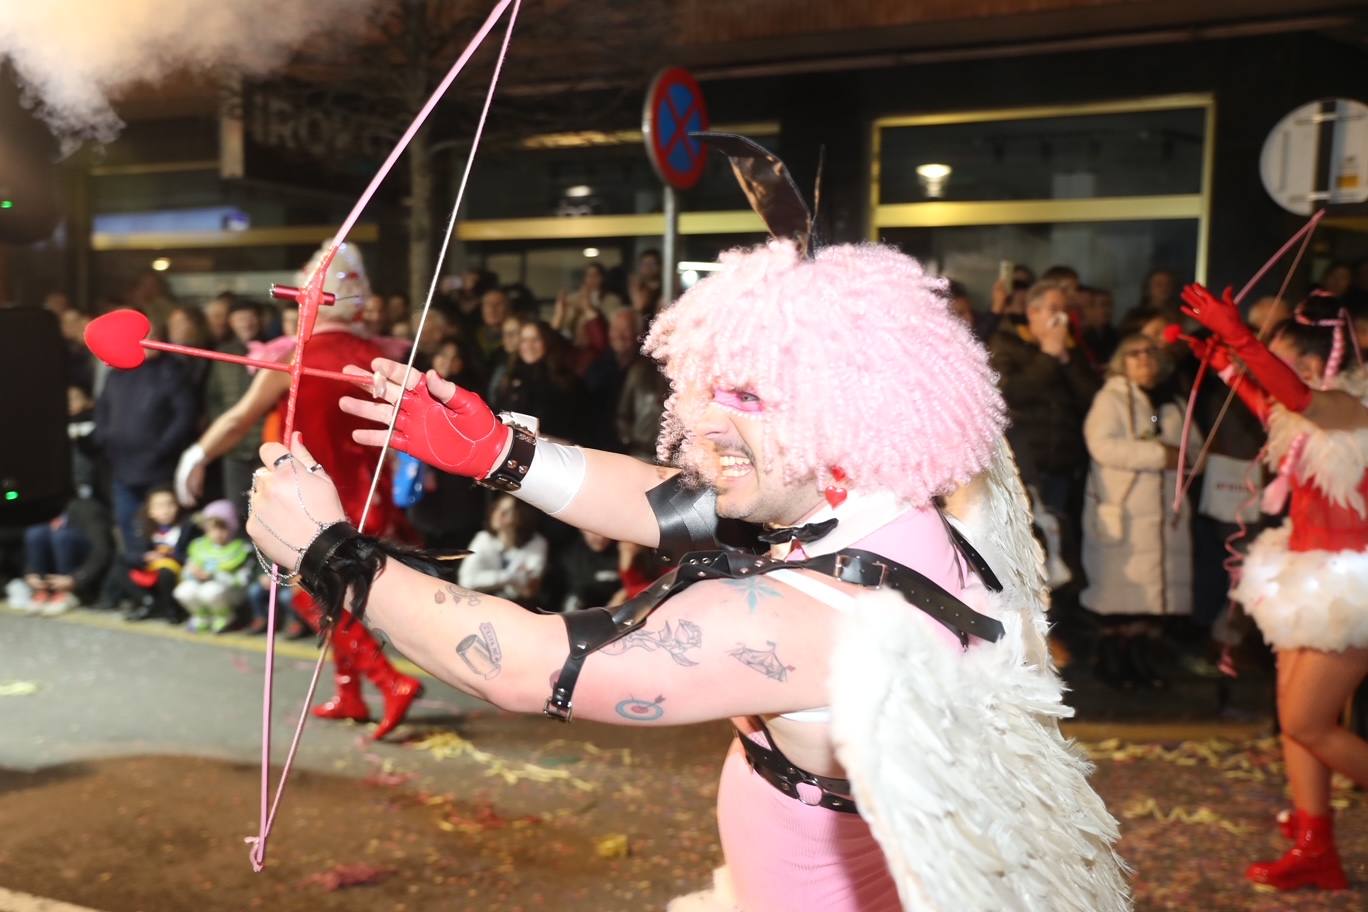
859,364
895,710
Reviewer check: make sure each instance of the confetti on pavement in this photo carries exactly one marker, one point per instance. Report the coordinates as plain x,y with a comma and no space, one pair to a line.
342,876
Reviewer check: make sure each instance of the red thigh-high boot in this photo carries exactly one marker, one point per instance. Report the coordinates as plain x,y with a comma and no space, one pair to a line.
399,690
347,704
1312,862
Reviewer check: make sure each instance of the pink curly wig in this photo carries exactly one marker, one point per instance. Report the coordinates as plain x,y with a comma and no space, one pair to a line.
856,356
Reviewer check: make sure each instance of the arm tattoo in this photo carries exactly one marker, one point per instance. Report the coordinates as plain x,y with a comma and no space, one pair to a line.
457,594
755,588
765,661
636,710
481,652
686,635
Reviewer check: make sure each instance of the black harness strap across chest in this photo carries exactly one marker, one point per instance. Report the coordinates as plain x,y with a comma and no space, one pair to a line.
591,630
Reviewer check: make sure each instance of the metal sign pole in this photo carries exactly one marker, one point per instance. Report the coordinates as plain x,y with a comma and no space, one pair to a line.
668,274
673,110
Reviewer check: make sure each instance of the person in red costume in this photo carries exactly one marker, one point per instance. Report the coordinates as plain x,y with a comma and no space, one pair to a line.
1306,583
337,341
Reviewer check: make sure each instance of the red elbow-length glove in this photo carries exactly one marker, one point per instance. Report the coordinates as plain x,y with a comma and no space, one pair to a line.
1222,317
1249,391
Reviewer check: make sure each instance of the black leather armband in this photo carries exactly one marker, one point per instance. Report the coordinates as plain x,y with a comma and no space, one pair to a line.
687,517
341,559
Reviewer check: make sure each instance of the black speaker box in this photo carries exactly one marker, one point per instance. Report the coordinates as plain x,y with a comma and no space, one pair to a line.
35,453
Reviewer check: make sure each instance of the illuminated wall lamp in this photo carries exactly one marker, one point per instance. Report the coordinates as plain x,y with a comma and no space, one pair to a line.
933,177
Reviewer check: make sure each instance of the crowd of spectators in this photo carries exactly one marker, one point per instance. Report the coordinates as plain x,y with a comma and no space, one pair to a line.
1096,405
126,544
1095,399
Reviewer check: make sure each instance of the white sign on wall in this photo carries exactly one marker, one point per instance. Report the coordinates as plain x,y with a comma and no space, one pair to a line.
1290,155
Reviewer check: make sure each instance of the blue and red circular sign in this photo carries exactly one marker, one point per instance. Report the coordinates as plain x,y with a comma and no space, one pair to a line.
674,109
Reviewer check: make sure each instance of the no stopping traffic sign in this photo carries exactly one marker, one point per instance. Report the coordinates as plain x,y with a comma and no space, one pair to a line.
674,108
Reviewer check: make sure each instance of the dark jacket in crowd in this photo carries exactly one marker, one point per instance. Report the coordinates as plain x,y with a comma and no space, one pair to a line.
144,418
602,387
1047,401
639,407
555,399
93,520
589,578
224,386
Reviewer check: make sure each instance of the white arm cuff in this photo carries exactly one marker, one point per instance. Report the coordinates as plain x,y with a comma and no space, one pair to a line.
189,461
556,476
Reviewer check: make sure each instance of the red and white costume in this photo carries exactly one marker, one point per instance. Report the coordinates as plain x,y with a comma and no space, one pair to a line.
1306,582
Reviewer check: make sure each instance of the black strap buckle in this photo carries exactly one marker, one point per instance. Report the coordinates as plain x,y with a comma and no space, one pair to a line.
853,568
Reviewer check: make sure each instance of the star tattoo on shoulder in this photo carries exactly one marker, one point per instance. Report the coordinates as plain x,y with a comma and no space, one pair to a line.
755,588
765,661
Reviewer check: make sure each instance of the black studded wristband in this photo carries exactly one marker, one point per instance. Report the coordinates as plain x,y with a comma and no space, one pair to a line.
509,474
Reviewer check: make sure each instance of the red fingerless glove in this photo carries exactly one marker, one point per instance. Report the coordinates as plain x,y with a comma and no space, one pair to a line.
460,436
1223,318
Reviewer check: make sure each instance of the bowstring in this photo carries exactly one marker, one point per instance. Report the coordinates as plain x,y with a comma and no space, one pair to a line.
1305,233
267,820
441,260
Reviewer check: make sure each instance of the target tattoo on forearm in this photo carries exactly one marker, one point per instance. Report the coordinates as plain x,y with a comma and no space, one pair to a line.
481,652
638,710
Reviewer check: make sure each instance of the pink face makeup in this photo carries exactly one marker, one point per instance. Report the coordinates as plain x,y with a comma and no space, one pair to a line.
740,400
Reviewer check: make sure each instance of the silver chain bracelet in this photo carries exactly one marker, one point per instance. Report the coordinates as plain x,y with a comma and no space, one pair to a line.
291,577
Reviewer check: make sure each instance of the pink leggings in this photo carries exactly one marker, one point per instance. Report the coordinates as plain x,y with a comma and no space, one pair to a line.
785,855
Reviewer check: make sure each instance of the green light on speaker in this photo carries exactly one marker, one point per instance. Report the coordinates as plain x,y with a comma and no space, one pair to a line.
6,204
11,495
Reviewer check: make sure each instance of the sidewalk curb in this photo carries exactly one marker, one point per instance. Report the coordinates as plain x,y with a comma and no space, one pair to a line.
14,901
290,649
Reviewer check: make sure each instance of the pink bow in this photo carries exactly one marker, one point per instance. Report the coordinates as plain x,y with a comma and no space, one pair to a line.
310,298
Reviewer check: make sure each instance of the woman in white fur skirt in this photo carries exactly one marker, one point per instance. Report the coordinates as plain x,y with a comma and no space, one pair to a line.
1306,583
1139,564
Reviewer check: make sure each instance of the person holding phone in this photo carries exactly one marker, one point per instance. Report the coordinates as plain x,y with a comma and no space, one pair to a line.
1048,387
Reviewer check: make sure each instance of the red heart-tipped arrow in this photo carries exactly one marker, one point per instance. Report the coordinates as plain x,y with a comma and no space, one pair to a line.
119,339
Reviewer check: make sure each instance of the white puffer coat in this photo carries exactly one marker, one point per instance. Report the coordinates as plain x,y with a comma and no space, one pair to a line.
1137,560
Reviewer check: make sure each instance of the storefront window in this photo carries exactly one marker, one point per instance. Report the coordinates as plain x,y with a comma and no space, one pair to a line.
1138,153
608,179
1115,256
1112,189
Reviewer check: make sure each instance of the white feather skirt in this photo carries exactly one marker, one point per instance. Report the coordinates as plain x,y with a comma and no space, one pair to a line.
1305,599
718,899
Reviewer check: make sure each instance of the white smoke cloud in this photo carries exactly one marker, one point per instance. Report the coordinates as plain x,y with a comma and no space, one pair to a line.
71,56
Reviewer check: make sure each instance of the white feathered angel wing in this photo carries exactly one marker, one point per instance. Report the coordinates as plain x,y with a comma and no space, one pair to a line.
956,758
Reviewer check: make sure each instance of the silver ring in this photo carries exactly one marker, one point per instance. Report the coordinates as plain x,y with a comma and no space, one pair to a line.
280,459
316,467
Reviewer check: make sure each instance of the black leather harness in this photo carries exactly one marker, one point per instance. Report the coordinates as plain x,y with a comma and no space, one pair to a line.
688,519
592,629
770,764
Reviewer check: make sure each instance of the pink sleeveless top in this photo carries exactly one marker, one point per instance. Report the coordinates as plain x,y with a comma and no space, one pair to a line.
786,855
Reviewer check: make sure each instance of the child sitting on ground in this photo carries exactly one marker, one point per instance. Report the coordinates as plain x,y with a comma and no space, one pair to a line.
214,581
147,572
